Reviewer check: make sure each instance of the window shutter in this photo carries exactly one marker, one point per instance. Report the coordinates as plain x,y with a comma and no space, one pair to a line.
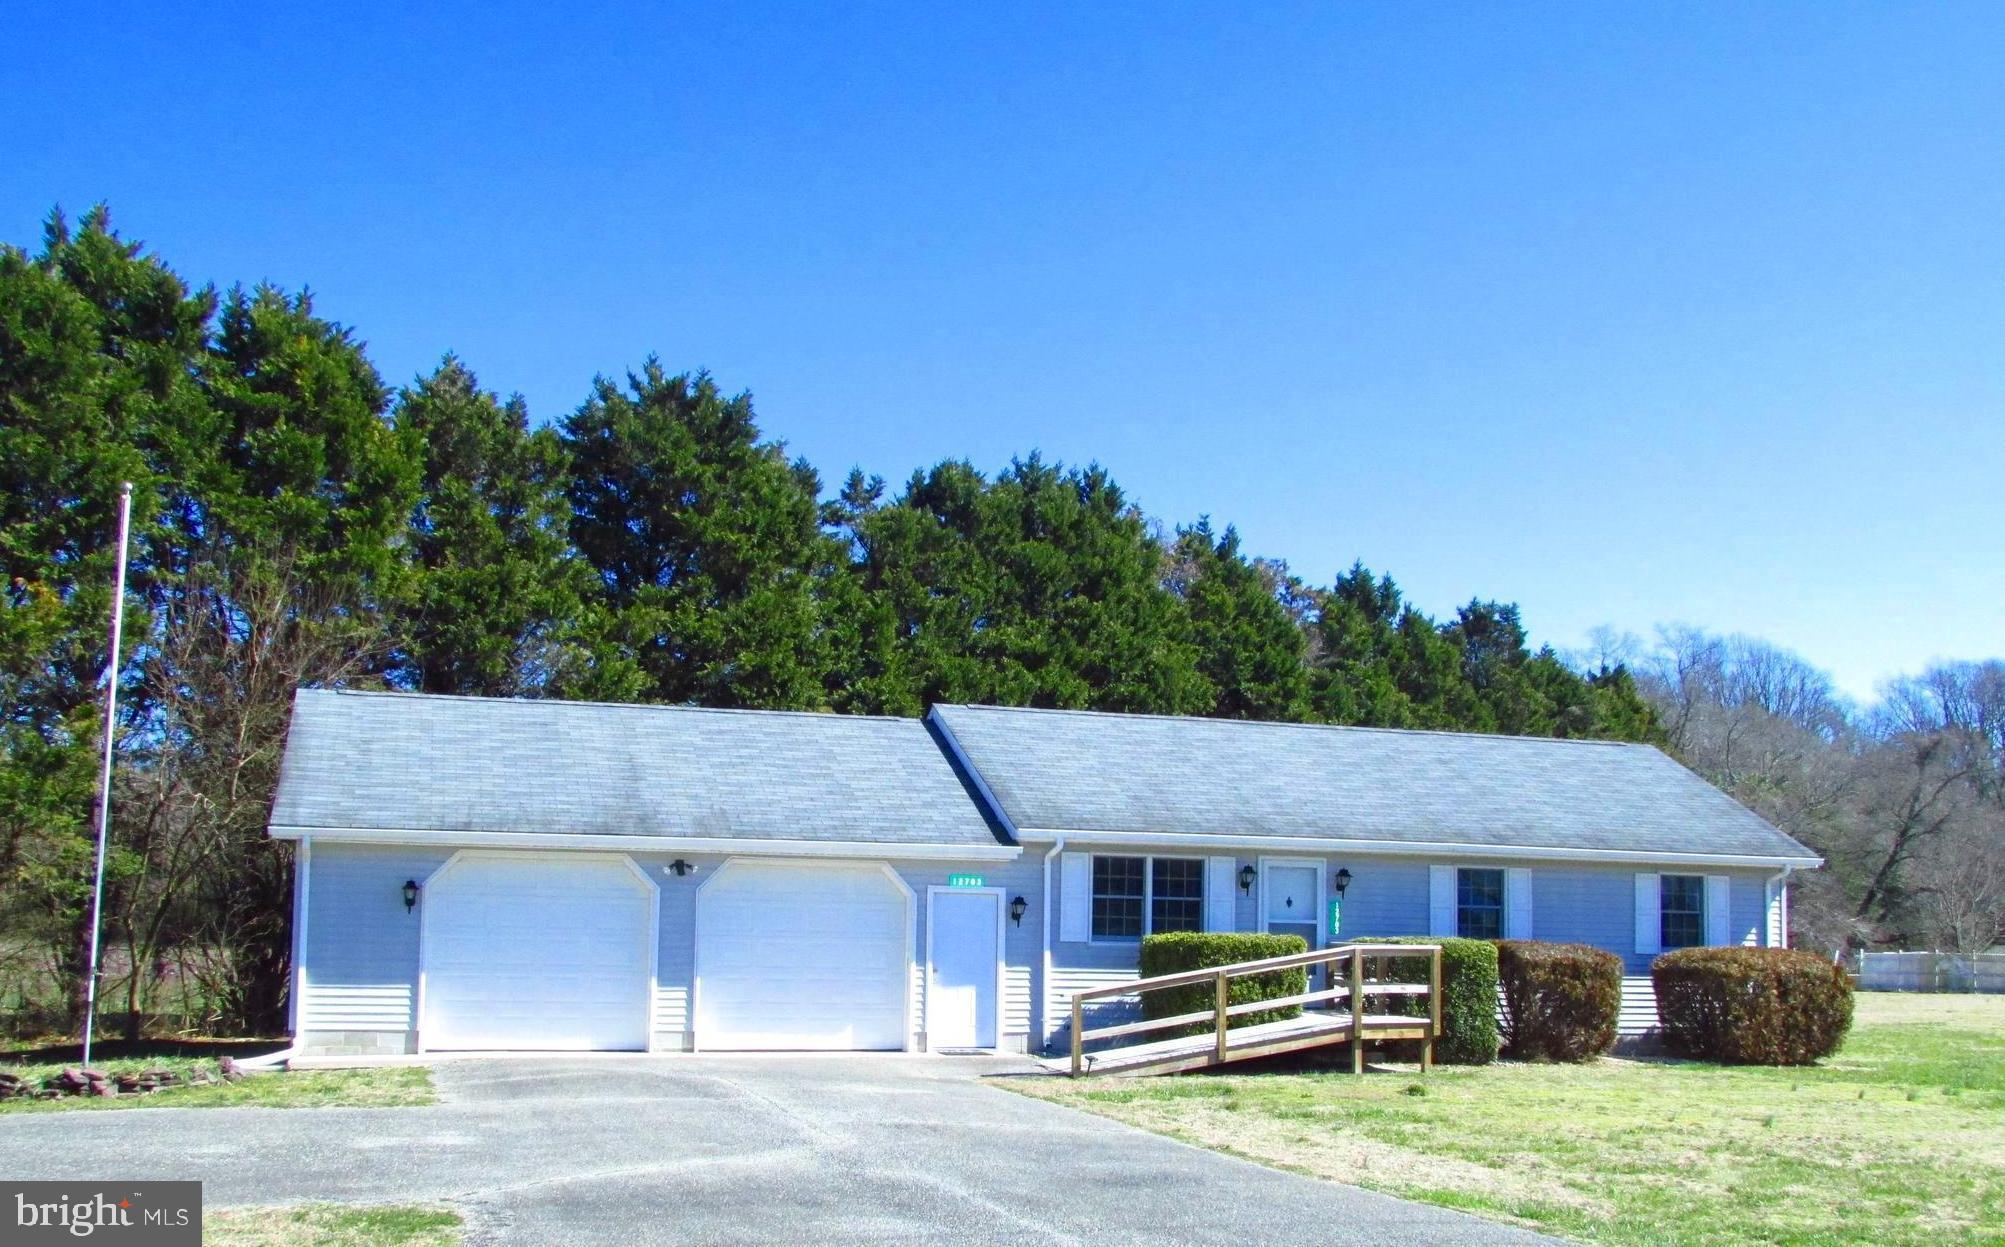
1518,904
1221,907
1075,897
1649,929
1441,900
1719,911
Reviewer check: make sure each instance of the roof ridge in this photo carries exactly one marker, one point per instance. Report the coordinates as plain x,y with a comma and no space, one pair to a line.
1284,723
612,705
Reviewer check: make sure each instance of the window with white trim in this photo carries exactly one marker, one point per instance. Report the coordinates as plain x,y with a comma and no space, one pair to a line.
1137,896
1681,911
1479,903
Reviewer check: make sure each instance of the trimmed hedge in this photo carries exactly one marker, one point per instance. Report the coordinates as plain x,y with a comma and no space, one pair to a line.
1561,1001
1178,951
1468,995
1751,1006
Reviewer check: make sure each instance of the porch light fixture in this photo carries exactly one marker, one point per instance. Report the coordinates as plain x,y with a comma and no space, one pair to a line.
1016,908
679,868
1246,878
1343,881
410,895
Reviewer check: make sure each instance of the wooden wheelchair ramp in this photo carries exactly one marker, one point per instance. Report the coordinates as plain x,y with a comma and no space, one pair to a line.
1338,1014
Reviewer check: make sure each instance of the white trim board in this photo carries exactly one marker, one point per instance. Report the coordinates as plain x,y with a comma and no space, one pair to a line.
654,844
1397,848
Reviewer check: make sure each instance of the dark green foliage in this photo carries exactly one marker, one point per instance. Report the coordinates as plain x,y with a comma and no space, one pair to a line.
1179,951
705,545
1468,995
494,593
1561,1001
1752,1006
1248,647
1041,588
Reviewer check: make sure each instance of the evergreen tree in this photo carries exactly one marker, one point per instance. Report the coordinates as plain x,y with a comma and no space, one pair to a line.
1041,588
98,343
710,566
494,595
1248,646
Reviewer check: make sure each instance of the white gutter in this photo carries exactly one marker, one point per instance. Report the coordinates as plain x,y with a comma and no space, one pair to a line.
1409,848
1044,941
653,844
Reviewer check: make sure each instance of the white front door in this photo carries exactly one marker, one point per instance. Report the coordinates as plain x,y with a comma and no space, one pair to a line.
1291,899
964,956
536,952
811,954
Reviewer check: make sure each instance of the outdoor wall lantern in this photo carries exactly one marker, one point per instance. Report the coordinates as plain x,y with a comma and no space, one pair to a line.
410,895
1246,878
679,868
1343,881
1016,908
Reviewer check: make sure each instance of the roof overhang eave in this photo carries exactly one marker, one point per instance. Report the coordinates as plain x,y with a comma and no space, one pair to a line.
892,850
1410,848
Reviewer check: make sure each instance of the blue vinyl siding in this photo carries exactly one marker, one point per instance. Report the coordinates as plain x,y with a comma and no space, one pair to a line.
1581,903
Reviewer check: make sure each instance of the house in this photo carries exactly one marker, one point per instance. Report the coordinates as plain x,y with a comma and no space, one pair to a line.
492,874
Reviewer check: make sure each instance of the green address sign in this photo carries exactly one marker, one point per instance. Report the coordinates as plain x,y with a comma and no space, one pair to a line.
964,881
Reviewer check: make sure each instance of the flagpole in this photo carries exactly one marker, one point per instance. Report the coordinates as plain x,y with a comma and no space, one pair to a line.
104,775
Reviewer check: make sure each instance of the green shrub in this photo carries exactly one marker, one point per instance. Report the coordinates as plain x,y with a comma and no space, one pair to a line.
1468,995
1561,1001
1179,951
1751,1006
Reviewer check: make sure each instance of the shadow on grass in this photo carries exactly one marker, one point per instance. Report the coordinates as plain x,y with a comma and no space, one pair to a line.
70,1052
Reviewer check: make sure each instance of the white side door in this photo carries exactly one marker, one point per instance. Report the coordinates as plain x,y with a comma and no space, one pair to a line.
963,964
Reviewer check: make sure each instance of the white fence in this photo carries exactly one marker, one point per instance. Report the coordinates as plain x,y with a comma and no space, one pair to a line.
1931,972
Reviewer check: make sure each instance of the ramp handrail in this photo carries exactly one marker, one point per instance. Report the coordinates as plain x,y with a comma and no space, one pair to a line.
1355,991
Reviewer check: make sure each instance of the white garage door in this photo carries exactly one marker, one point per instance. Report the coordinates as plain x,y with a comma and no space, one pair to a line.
543,953
801,955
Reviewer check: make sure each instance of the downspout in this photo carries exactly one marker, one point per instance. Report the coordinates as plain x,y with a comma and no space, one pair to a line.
1044,942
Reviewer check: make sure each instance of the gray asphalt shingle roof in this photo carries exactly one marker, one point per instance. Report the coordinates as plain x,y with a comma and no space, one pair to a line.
1058,770
405,762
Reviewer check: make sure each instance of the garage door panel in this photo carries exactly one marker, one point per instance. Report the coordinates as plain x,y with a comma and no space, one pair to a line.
802,955
537,953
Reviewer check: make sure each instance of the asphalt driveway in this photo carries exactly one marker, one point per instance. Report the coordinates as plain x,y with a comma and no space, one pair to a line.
729,1150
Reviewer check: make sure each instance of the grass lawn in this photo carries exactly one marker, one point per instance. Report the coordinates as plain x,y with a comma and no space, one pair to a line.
1899,1139
364,1088
327,1225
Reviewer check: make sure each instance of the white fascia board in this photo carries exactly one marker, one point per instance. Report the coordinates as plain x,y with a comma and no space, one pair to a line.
969,768
1408,848
653,844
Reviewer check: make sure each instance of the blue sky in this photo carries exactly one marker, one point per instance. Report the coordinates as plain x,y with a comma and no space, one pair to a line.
1632,314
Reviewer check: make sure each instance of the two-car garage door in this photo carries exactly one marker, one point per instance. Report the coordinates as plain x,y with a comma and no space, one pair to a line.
556,952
